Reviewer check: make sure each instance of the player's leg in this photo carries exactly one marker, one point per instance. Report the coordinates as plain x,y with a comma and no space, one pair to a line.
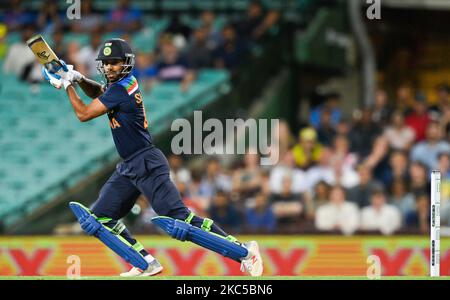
166,201
116,198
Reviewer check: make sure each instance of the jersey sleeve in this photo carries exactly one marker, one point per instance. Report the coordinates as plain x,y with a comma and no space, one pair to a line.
114,96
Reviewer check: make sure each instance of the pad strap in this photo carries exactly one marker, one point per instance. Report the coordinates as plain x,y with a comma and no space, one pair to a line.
207,223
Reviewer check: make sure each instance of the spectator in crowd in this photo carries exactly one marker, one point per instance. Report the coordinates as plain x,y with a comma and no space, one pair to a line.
17,17
442,100
427,151
399,135
230,53
224,213
287,206
380,216
124,18
199,54
378,159
338,214
88,54
247,180
173,66
419,118
308,149
419,183
90,21
381,108
177,170
49,17
445,122
179,31
315,199
214,179
397,169
363,133
20,61
332,105
3,42
145,69
260,217
213,35
286,167
360,194
401,197
326,131
341,154
420,217
405,97
250,26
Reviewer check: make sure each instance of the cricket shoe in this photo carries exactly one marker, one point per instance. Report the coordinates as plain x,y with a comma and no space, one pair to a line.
154,268
252,263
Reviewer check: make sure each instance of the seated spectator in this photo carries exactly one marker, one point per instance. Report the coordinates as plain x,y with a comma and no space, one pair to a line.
341,154
177,171
378,159
248,27
224,213
49,17
173,66
443,100
3,42
247,180
419,118
214,179
419,182
124,18
230,53
397,169
199,54
399,135
88,54
363,133
318,197
427,151
360,194
16,16
260,217
308,149
145,69
287,206
420,217
20,61
380,216
332,105
326,132
401,197
208,22
286,167
179,31
337,214
381,108
90,21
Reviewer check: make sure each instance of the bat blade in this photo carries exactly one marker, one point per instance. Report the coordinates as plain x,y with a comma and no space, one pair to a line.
43,52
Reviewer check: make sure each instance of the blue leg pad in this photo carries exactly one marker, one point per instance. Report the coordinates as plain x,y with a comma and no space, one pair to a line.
116,243
183,231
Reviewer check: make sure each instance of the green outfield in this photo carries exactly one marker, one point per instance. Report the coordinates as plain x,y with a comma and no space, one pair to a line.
225,278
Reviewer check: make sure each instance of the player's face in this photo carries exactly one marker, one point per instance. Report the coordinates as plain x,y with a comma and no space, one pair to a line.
113,68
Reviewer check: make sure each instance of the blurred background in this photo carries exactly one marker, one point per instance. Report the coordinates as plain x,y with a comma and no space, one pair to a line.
362,92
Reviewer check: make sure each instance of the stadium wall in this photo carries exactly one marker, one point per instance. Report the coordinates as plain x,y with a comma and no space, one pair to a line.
282,255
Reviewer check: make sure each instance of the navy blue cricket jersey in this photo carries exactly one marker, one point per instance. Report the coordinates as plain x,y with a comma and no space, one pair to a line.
126,113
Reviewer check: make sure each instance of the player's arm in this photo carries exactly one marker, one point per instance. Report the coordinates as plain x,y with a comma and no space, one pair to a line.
91,88
85,112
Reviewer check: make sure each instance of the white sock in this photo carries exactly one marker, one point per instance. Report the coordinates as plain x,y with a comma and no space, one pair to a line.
149,258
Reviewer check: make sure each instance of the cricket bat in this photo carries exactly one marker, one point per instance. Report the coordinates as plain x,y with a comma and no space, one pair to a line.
44,53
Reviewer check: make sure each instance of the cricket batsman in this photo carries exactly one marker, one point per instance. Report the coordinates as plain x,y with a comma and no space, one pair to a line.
143,169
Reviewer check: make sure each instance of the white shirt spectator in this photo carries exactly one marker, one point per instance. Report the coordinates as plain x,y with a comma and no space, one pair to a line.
427,153
87,56
299,182
338,213
344,217
386,218
399,139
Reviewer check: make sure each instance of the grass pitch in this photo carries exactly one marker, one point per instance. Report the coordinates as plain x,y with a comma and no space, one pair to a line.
232,278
